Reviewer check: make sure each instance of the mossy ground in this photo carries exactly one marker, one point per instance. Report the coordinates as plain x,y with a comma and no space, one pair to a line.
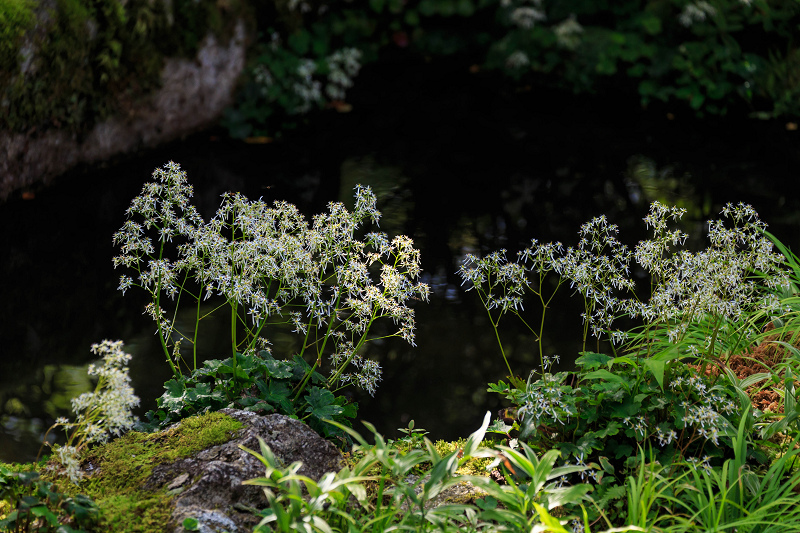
122,465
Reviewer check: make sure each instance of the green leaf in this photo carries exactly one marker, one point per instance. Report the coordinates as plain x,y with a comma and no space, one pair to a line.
657,368
174,388
277,394
591,360
278,369
651,24
623,450
376,5
191,524
349,409
321,403
606,375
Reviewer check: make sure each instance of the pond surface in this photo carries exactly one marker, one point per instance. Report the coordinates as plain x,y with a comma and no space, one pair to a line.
459,162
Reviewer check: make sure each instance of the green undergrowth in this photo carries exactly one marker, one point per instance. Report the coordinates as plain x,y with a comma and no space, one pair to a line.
123,465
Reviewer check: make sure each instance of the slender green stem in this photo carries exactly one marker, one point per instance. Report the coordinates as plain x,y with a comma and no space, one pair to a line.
196,327
157,311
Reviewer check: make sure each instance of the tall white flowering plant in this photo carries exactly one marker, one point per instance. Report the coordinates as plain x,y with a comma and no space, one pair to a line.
697,311
102,413
271,266
707,289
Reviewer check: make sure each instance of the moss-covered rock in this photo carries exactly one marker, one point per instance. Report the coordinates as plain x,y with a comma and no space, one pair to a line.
69,64
86,80
116,473
144,482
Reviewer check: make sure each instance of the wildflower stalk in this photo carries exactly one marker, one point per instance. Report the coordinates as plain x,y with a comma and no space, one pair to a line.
103,413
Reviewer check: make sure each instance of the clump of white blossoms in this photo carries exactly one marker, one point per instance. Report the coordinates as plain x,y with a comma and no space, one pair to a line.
272,267
101,414
734,275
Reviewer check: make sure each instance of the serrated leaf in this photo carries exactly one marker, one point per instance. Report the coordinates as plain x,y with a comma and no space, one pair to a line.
321,403
278,369
349,409
277,394
174,388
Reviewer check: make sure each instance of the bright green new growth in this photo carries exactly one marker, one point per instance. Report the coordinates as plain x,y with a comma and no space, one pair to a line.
271,267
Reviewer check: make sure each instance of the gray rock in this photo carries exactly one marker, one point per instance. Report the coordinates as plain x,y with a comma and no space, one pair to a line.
208,486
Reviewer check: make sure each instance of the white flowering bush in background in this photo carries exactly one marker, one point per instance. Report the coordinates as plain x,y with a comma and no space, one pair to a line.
102,413
272,267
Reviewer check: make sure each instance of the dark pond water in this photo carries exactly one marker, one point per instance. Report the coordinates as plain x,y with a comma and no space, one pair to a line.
460,163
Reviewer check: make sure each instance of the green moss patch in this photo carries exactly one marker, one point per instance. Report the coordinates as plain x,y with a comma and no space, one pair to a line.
123,465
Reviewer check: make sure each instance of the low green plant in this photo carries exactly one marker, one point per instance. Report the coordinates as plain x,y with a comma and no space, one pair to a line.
33,504
270,270
414,437
264,385
341,501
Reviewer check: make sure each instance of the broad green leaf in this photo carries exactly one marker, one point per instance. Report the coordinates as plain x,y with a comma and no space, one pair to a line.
657,368
278,369
277,394
591,360
608,376
321,403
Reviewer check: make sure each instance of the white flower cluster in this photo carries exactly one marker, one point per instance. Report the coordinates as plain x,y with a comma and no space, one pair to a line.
525,13
343,66
103,413
270,264
717,281
568,33
107,410
696,12
544,399
705,414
